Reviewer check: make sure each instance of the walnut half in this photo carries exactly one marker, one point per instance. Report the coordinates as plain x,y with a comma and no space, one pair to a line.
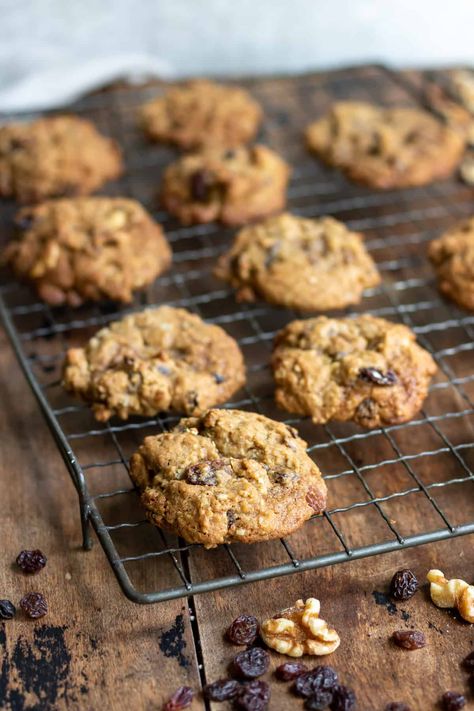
299,630
452,593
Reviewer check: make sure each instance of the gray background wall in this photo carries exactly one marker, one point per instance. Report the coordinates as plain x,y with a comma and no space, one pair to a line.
50,49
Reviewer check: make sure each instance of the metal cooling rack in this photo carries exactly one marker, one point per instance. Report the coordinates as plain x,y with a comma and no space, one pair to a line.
389,488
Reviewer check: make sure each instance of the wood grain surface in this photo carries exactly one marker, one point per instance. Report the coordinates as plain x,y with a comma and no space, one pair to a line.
96,650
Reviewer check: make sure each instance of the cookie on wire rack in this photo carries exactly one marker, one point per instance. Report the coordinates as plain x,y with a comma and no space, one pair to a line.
87,249
452,256
311,265
386,147
364,369
154,361
55,156
202,113
228,476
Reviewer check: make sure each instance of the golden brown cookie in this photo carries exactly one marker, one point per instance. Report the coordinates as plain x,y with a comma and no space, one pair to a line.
233,186
202,113
80,249
228,476
312,265
452,256
58,156
363,369
153,361
385,148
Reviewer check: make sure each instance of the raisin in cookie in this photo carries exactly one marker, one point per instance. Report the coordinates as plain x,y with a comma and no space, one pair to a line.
452,256
159,359
312,265
385,148
79,249
228,476
202,113
57,156
234,186
363,369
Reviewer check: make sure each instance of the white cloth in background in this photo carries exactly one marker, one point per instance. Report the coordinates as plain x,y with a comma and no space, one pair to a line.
51,51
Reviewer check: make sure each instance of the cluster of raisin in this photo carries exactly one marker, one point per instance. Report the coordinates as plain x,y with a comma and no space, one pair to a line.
246,692
33,604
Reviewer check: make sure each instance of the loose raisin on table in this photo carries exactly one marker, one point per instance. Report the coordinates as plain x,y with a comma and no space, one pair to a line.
452,701
468,662
181,699
343,699
321,677
409,639
7,610
243,630
372,375
31,561
397,706
252,663
319,700
290,670
404,585
222,690
253,696
34,605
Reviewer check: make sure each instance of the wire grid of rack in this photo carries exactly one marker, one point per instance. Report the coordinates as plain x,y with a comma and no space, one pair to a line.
389,488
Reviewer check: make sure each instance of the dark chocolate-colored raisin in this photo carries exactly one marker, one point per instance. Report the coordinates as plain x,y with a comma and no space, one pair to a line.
409,639
219,378
253,696
272,254
321,677
7,610
34,605
221,690
282,477
200,183
24,220
250,664
31,561
468,662
404,585
290,670
181,699
231,518
243,630
164,370
343,699
372,375
203,473
452,701
397,706
314,499
229,154
319,700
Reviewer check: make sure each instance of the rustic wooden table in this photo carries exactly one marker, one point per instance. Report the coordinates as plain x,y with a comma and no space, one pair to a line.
95,649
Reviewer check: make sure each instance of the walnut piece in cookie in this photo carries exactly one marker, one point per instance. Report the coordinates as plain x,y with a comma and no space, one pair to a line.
153,361
233,186
452,593
291,261
299,630
228,476
363,369
452,256
385,147
87,249
57,156
202,113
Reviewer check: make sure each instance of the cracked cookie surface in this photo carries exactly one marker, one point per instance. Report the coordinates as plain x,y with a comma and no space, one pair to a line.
228,476
154,361
452,256
87,249
385,147
364,369
312,265
58,156
202,113
233,186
